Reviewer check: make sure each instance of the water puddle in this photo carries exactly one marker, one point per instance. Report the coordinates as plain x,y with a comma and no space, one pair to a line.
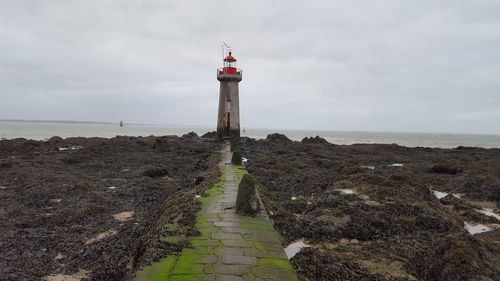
75,147
440,194
123,216
489,212
295,247
60,277
347,191
476,228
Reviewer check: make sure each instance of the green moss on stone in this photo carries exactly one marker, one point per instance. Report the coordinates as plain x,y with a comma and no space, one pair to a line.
193,277
172,226
274,268
188,263
259,245
172,239
259,223
283,264
157,271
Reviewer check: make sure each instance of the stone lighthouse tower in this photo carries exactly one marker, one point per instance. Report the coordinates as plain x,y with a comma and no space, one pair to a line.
228,119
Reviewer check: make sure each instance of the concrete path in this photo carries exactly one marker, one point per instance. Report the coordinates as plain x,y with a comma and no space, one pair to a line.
231,247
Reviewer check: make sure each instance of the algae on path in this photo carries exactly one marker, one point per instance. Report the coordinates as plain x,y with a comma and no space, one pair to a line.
230,247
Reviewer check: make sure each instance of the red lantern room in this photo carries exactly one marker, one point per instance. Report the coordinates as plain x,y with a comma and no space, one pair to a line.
229,65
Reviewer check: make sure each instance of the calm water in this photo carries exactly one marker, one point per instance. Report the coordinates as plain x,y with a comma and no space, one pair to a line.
40,131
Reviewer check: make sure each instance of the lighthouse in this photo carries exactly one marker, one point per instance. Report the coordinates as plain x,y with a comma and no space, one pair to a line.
228,119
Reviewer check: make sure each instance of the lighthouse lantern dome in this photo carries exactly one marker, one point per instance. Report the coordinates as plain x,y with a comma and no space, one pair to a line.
229,65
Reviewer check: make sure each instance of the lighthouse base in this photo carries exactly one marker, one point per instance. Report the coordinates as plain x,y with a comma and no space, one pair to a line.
227,132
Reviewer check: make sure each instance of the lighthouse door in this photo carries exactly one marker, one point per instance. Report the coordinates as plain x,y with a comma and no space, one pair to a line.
227,128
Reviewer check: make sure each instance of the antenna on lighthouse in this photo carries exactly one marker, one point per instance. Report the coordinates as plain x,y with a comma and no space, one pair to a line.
225,49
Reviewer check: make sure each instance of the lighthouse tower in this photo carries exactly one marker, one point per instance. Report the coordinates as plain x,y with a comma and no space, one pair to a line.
228,120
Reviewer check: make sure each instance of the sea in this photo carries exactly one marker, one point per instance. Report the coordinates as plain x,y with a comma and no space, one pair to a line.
38,130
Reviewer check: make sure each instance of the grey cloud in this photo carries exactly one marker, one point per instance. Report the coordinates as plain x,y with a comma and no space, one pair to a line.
430,66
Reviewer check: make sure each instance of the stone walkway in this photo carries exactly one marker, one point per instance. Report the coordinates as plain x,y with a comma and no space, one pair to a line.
231,247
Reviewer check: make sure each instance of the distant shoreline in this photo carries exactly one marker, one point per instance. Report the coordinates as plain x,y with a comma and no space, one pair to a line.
54,121
44,129
318,131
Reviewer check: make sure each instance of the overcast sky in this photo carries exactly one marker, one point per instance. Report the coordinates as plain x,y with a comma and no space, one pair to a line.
422,66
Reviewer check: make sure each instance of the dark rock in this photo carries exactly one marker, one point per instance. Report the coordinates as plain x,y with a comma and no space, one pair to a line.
197,180
190,135
210,135
236,158
246,199
316,139
465,148
442,169
277,138
55,139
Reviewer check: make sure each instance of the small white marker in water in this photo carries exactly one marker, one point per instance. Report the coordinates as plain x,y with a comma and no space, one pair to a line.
112,187
368,167
63,148
396,165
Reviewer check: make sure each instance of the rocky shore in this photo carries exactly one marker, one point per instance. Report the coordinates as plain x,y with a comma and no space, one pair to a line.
95,208
372,212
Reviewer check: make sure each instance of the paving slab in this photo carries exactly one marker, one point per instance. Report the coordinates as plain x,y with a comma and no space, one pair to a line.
238,259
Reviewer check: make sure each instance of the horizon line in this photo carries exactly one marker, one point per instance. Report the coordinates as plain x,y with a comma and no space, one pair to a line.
253,128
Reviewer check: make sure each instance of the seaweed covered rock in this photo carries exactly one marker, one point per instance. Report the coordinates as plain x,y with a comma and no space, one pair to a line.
277,138
444,169
460,256
236,158
316,139
401,230
246,199
190,135
210,135
333,268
